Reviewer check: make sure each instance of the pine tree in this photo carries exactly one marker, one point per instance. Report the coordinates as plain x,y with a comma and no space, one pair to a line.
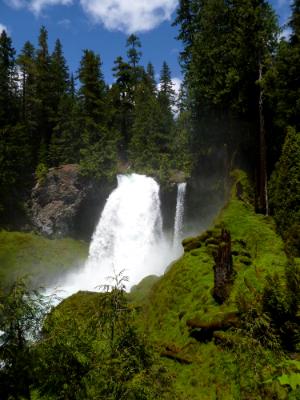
294,23
26,62
59,76
150,74
166,99
285,187
43,88
66,139
134,55
228,49
98,152
144,147
92,91
123,101
8,81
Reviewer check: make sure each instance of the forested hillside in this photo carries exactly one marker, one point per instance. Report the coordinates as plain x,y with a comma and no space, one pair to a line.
50,117
222,321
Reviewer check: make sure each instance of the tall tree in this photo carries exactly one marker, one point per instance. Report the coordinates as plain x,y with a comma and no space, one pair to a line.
98,154
59,75
123,101
150,74
285,190
26,62
166,99
8,81
133,43
92,91
43,88
228,50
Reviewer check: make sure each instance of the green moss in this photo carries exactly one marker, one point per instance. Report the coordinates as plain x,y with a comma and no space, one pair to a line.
139,292
185,293
40,258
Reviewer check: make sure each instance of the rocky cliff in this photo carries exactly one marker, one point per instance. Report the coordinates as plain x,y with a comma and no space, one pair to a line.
65,203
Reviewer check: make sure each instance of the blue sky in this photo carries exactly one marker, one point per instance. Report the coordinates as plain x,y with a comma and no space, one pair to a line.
103,26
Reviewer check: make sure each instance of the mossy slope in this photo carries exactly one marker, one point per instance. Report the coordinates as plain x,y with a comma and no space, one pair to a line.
40,258
184,293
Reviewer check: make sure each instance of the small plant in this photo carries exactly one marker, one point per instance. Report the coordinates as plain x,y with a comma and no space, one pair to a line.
41,172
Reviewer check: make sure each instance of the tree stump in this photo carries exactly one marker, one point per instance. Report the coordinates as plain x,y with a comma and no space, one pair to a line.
223,268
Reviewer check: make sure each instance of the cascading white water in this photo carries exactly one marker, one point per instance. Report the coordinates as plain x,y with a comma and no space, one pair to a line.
128,236
178,222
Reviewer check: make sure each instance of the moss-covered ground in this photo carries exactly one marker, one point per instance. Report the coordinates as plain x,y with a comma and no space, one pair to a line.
185,293
40,258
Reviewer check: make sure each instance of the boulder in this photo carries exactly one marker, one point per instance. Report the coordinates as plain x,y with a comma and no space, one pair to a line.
65,203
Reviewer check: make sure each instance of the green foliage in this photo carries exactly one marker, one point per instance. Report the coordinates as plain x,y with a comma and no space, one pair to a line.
8,81
284,188
21,315
98,354
41,172
40,258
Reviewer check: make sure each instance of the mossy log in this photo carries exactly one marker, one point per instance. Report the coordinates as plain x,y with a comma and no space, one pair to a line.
203,331
191,243
172,352
176,357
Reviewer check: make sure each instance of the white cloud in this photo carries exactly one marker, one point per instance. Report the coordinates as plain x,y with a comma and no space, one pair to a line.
3,28
176,85
122,15
65,23
129,15
36,6
285,34
16,3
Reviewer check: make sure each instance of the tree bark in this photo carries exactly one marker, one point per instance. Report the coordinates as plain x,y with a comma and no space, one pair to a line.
263,192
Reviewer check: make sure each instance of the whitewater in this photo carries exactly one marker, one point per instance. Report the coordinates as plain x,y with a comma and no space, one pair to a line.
129,237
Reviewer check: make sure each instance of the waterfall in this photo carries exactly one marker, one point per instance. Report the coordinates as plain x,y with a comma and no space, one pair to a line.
128,236
178,222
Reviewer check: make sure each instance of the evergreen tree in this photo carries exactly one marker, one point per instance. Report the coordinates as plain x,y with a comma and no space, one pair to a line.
26,62
133,43
43,89
166,99
92,91
66,139
150,73
8,81
59,76
228,49
285,189
294,23
98,152
123,101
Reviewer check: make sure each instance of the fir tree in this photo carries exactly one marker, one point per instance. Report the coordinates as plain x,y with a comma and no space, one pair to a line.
8,81
26,62
285,187
166,99
133,43
59,75
43,88
93,89
98,152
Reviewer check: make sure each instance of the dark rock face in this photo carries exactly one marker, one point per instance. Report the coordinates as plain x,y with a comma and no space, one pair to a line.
67,204
223,268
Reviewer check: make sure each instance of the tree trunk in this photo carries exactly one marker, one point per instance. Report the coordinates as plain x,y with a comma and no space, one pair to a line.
223,268
263,192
